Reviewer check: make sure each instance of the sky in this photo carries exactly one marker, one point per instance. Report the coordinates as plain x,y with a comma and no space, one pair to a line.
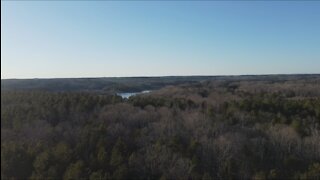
56,39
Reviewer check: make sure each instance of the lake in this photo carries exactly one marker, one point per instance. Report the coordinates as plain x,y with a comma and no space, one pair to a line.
126,95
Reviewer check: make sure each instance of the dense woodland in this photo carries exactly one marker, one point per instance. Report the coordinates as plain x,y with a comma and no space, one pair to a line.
248,128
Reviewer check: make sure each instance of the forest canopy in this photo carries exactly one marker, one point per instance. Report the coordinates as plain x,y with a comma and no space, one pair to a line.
207,128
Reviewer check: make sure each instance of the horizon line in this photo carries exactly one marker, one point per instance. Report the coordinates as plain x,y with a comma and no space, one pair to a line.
163,76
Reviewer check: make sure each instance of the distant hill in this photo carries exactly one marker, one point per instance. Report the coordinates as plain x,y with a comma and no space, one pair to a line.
129,84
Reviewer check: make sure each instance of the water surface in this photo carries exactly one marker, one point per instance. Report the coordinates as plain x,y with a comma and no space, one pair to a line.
126,95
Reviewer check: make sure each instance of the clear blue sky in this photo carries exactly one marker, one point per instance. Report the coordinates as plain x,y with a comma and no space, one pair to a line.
52,39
